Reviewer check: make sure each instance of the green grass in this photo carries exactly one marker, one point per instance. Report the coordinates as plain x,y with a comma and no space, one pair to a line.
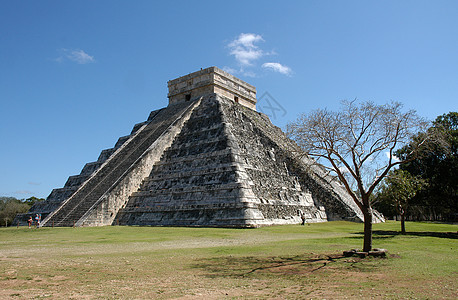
287,262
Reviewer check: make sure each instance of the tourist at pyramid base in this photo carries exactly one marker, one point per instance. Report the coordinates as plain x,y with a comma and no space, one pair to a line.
208,159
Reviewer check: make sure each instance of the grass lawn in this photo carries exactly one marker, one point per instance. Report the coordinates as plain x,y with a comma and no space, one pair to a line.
279,262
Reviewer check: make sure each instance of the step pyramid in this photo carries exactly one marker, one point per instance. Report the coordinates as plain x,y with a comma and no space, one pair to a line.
207,159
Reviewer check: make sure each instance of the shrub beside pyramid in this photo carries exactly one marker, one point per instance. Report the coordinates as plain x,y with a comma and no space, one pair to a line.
207,159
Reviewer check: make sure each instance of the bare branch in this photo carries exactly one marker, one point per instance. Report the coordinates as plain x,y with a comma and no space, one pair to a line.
357,138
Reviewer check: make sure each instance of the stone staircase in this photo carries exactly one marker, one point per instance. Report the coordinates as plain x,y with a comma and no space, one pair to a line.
109,172
213,161
73,183
219,171
194,178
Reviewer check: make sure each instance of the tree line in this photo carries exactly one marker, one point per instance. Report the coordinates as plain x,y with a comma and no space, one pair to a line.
10,207
425,188
386,155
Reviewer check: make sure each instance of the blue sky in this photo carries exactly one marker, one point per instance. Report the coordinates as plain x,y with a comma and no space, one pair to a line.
76,75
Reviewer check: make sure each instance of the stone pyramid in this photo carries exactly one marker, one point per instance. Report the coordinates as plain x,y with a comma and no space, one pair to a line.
208,159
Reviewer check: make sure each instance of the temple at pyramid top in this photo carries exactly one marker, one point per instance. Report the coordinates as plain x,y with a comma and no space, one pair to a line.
207,159
211,81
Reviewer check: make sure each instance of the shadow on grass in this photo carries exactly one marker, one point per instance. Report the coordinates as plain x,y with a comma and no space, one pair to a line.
375,236
234,266
388,234
391,233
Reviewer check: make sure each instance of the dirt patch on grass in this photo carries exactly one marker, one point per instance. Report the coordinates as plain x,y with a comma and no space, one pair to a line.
285,265
304,276
238,264
329,276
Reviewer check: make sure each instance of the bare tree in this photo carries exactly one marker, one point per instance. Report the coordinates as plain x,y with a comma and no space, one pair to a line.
357,145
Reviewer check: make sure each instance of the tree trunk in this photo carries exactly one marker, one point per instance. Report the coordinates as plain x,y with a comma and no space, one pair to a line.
403,224
367,245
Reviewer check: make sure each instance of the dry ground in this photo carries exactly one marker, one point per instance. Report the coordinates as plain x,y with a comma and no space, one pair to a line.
166,263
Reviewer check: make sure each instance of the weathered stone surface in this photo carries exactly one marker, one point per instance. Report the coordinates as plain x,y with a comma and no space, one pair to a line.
225,169
211,81
375,253
117,177
205,160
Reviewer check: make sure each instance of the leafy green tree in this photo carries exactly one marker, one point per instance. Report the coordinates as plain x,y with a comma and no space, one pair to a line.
398,190
9,208
438,164
32,200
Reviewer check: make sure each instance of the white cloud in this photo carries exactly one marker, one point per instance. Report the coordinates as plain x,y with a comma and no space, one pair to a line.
229,70
277,67
80,57
246,52
246,40
387,153
343,170
242,71
249,74
244,48
23,192
75,55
